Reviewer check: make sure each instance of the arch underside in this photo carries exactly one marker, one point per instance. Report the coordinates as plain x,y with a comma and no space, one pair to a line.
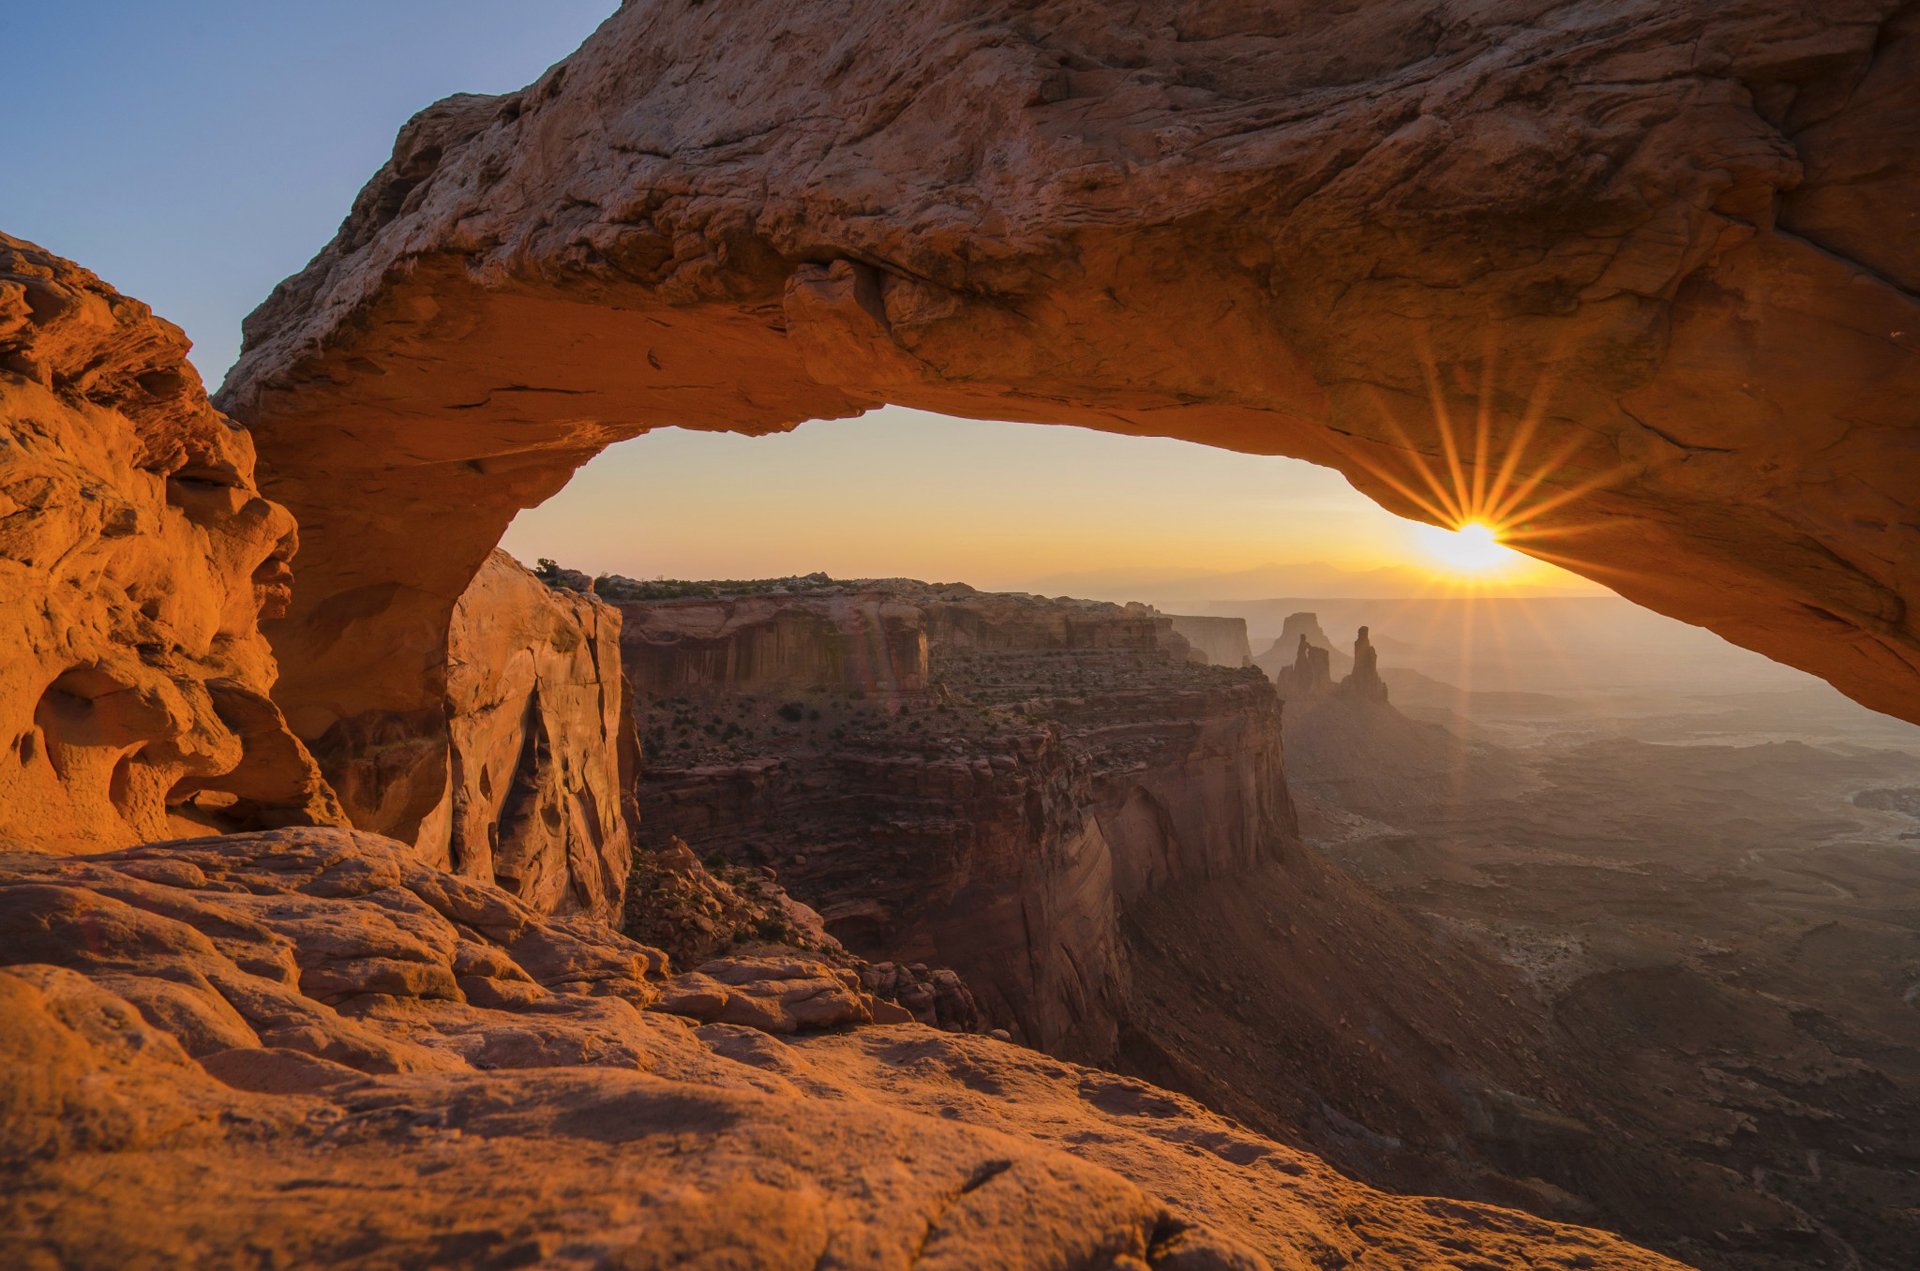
1641,278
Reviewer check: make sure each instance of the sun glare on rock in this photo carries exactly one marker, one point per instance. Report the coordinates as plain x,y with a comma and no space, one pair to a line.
1473,548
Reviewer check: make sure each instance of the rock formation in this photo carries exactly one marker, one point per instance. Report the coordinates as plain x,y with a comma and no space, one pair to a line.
1291,667
1067,759
1363,683
1647,245
1221,641
1311,672
541,760
306,1047
1310,675
1286,647
136,560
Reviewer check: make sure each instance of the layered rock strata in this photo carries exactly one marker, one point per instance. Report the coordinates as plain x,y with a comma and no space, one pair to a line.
305,1046
1628,278
137,558
833,639
1221,641
1068,758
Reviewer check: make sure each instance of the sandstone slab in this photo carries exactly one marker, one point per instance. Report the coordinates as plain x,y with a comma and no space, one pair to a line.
307,1047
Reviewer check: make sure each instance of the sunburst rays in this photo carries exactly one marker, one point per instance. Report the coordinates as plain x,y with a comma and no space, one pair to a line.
1492,484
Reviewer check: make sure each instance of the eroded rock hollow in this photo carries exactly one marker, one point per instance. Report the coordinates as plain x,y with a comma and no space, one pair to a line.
1620,277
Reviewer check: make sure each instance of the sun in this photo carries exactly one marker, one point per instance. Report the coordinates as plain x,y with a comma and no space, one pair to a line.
1472,548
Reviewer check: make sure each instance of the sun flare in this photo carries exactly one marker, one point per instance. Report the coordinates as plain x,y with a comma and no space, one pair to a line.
1473,548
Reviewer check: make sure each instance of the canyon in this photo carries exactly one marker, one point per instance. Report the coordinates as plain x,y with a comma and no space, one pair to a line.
319,818
1416,986
981,781
1702,896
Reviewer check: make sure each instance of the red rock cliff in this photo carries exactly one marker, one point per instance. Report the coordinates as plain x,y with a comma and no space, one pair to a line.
866,641
542,756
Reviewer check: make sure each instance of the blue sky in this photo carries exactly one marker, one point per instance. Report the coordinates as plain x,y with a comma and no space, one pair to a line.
195,152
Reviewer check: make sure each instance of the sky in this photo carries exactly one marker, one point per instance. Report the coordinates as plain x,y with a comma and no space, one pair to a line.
195,153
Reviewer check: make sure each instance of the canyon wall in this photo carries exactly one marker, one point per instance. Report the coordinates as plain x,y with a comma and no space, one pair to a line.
138,561
1222,641
137,558
1631,279
1066,759
865,641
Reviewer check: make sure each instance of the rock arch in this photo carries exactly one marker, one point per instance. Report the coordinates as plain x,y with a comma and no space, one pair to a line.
1657,248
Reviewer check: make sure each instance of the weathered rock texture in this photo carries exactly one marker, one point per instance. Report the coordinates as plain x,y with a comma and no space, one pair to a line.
305,1047
1660,256
136,559
862,640
541,756
1067,759
1221,641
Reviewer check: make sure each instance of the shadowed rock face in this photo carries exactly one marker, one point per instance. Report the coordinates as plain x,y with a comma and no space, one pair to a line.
1666,253
136,559
1220,641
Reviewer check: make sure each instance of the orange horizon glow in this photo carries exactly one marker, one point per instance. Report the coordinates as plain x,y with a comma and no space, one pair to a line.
905,493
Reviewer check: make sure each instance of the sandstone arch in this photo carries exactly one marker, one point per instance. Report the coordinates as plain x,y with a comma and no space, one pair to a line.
1670,247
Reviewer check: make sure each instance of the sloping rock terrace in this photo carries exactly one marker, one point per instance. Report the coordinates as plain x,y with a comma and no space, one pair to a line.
381,1064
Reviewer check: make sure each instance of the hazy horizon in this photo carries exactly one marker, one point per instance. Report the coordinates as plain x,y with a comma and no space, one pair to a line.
1000,506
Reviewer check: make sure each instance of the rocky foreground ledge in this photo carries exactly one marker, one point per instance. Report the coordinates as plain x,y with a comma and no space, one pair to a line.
302,1046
